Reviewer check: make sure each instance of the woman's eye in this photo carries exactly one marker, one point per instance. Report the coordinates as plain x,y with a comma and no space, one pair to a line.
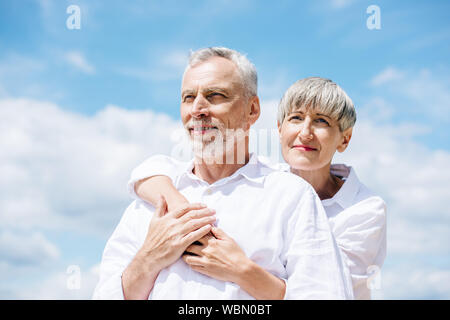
295,118
321,120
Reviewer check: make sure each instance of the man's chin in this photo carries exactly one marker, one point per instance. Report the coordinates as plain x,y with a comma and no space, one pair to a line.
209,157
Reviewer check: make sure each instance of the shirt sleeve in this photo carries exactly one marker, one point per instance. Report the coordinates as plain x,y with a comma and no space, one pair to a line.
314,266
156,165
118,253
360,232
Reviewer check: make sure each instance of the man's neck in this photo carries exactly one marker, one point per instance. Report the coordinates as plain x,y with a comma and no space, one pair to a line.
211,171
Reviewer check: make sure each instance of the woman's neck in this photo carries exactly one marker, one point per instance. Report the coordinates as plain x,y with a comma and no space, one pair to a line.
325,183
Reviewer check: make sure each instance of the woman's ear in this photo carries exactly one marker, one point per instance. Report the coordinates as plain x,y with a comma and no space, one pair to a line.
279,127
345,140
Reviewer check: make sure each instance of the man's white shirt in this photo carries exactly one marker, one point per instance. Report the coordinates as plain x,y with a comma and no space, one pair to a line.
274,216
356,215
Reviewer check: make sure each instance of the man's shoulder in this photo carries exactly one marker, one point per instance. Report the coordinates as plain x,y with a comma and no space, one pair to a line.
283,180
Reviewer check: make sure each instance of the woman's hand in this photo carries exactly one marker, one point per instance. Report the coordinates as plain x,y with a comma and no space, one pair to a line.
218,256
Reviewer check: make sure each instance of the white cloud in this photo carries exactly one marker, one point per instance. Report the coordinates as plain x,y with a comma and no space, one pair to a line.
26,249
422,92
409,281
78,60
176,59
387,75
57,286
65,170
17,65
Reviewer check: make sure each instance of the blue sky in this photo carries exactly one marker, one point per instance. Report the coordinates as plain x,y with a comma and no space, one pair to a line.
85,106
135,50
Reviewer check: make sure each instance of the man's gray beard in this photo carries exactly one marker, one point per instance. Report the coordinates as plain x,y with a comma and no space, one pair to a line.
220,148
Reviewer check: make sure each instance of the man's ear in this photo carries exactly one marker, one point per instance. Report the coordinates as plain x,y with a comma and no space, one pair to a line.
345,140
279,127
254,110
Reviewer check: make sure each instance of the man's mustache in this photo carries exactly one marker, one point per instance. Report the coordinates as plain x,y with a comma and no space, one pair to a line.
203,123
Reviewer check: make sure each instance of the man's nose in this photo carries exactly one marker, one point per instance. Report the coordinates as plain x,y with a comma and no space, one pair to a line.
200,107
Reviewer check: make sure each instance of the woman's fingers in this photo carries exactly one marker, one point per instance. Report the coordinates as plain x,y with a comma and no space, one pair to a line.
204,240
195,249
218,233
197,234
192,260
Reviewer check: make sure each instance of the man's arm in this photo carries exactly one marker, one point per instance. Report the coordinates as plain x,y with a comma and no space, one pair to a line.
167,238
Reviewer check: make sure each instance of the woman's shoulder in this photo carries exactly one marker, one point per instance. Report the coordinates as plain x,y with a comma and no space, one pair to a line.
354,192
362,210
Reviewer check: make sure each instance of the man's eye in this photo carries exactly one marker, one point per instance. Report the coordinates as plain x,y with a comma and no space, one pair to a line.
216,97
216,94
188,98
295,118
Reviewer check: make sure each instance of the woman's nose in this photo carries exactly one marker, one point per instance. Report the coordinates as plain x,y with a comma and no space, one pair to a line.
306,131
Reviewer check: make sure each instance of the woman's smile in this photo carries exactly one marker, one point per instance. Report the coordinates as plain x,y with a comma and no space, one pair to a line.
302,147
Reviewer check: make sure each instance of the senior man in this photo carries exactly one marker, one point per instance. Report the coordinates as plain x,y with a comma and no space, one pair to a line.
249,233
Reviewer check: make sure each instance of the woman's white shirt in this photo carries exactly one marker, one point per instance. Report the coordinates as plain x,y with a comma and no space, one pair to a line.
356,216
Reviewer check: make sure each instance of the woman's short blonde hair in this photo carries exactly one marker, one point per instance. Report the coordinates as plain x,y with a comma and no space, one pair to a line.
322,95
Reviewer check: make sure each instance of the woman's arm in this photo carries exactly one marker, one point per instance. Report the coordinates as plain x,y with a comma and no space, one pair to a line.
150,189
155,177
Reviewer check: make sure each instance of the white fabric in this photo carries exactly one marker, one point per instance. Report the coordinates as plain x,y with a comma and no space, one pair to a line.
357,217
275,217
358,221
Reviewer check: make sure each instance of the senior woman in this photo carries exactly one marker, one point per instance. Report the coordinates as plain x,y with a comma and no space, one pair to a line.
315,119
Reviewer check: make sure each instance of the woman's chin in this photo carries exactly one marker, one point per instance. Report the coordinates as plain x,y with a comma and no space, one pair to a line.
304,165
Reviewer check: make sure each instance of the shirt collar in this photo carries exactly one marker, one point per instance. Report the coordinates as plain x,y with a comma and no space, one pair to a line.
347,193
254,171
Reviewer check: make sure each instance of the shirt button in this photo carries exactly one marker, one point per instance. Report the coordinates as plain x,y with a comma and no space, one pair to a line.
209,191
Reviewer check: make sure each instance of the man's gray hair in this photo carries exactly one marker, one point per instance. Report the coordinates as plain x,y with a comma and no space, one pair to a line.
322,95
247,70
